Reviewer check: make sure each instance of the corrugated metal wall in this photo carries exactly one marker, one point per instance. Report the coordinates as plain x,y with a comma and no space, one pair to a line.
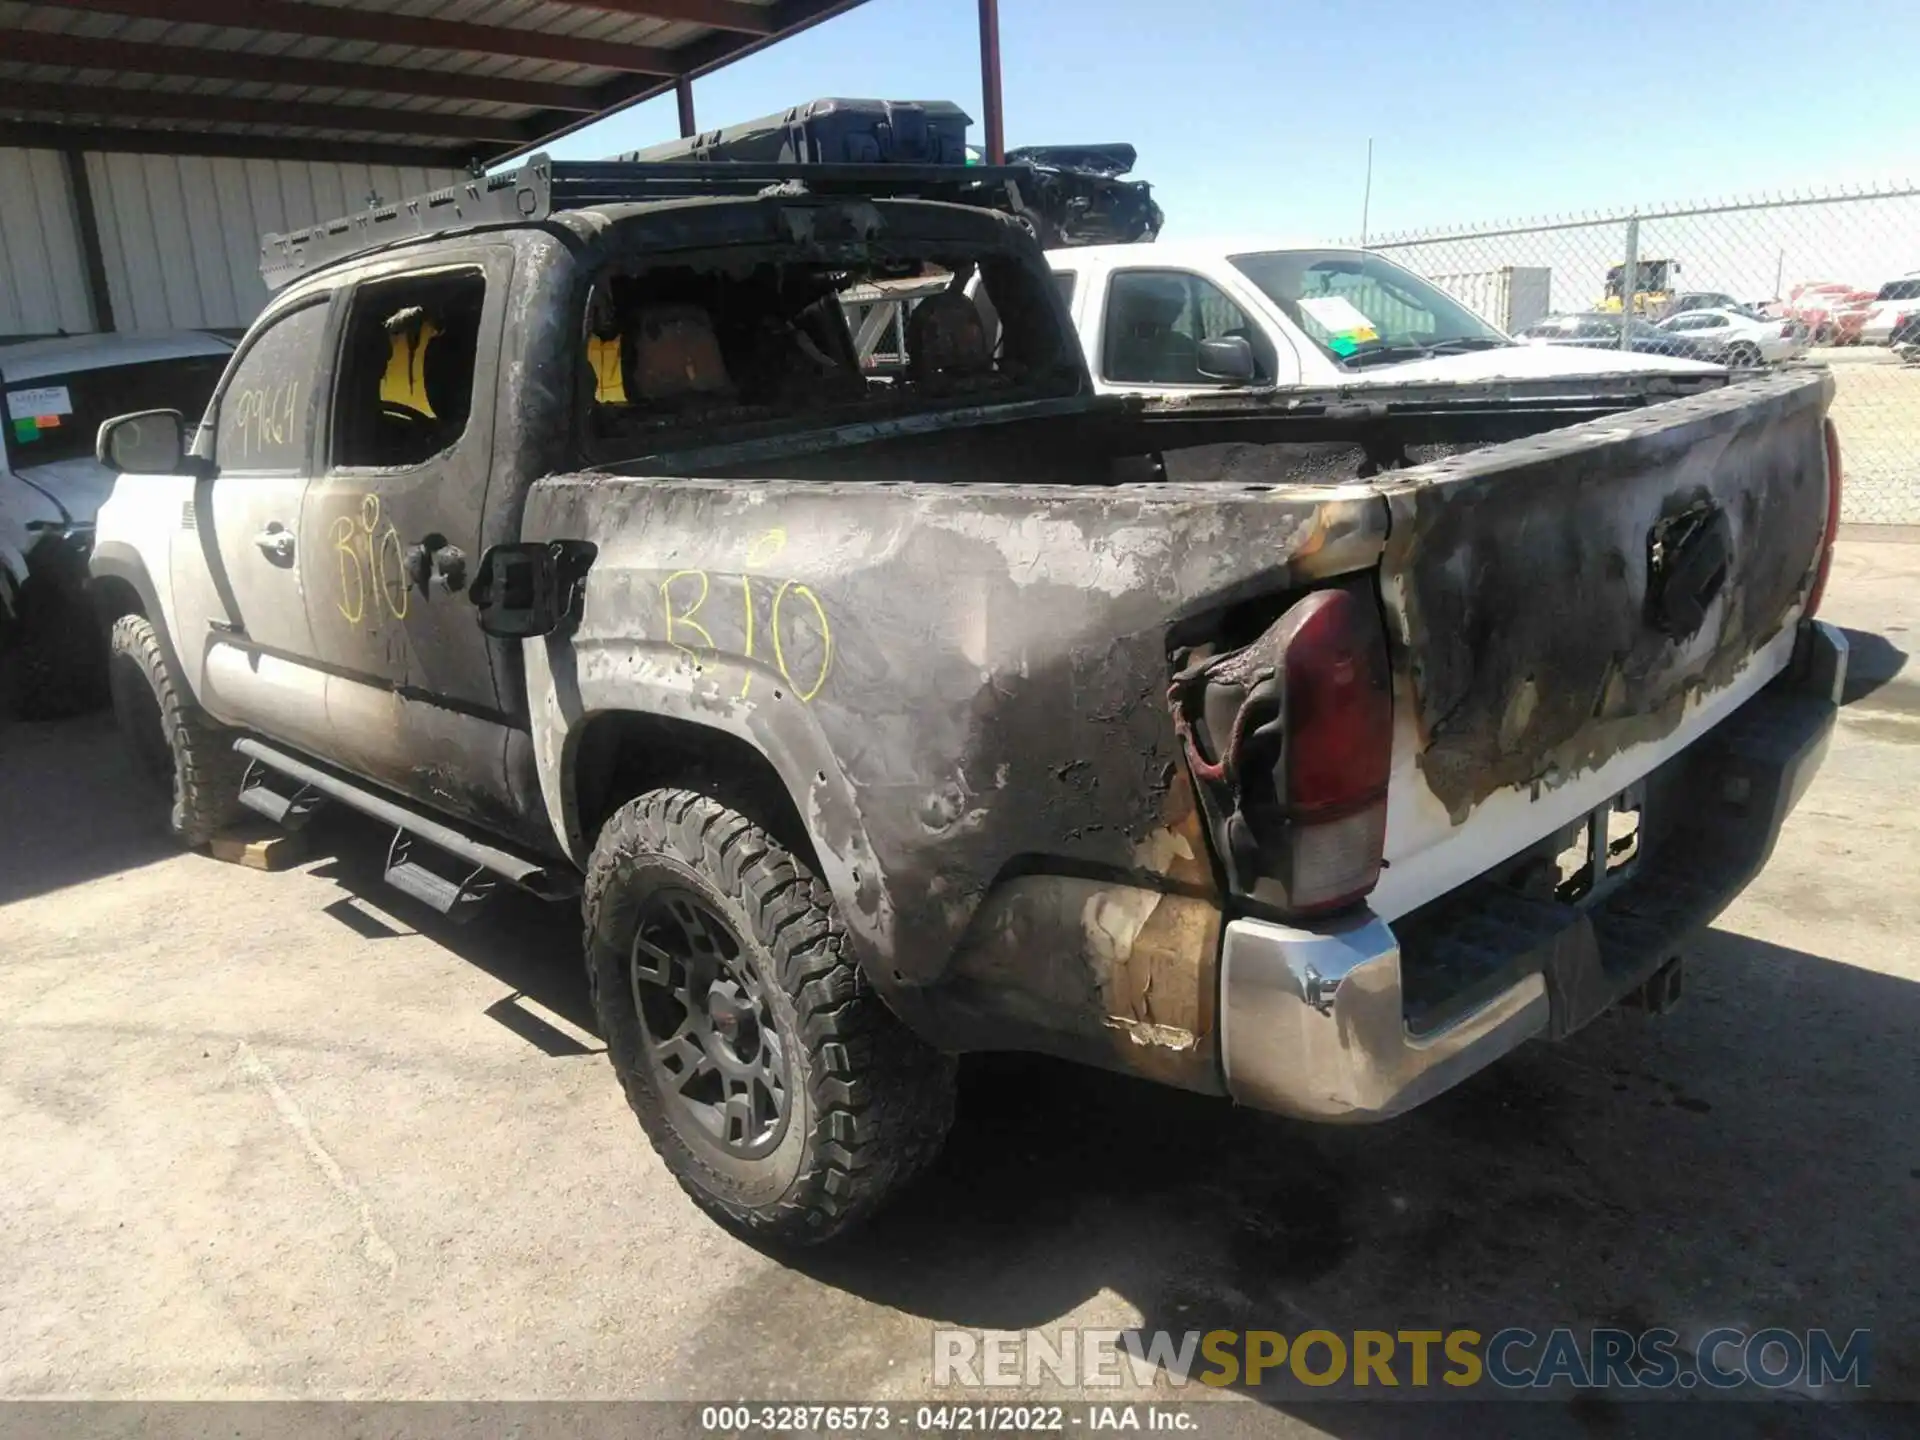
43,280
179,234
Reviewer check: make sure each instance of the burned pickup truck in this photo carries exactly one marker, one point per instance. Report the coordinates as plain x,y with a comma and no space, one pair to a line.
1311,754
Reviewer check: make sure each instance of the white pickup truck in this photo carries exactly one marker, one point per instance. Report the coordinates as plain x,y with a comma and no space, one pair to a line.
1199,315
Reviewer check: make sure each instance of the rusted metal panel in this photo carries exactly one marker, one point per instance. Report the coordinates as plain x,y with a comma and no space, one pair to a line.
110,27
1121,973
538,69
43,280
52,57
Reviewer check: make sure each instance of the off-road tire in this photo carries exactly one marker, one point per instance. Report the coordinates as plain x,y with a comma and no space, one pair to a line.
172,742
869,1103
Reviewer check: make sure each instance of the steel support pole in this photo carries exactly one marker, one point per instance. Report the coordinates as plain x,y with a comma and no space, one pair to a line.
683,93
990,80
87,229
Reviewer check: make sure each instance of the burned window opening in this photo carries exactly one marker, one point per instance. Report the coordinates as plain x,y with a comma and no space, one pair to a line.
406,384
746,342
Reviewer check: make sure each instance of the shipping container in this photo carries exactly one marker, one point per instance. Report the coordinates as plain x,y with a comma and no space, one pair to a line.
1512,297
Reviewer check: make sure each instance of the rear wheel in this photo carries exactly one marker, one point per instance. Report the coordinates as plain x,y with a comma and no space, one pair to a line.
1743,356
176,747
783,1095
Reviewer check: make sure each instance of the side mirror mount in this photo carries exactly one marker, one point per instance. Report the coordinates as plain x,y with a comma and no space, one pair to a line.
1229,358
528,588
151,442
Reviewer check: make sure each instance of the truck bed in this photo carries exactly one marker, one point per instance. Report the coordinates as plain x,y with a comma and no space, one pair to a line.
971,705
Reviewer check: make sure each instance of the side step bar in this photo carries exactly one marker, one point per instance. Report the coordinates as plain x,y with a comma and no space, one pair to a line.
485,861
456,895
289,811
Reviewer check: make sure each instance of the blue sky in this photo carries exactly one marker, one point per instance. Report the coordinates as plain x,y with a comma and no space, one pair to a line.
1252,116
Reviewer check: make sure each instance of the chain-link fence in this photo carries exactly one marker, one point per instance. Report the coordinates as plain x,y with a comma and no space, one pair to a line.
1822,277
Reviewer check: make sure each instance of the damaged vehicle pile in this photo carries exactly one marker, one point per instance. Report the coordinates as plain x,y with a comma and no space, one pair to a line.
1311,748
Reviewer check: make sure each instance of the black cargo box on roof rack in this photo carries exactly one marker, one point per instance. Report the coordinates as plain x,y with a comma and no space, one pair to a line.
543,187
832,132
1076,196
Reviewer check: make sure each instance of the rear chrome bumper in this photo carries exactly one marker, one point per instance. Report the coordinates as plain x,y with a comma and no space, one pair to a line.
1313,1024
1313,1021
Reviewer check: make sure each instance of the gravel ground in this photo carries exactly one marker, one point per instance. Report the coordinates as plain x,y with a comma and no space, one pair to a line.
286,1135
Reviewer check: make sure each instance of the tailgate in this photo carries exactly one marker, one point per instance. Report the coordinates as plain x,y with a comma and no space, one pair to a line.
1567,611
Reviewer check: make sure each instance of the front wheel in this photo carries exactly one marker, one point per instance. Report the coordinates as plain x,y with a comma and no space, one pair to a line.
176,747
782,1094
1743,356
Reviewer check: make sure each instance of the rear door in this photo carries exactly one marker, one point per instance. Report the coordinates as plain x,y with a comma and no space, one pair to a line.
237,563
393,526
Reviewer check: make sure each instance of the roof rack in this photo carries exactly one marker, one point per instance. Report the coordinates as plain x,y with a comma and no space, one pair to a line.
543,187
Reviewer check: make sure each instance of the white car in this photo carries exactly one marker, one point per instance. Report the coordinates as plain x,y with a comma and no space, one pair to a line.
1896,301
51,487
1176,316
1736,339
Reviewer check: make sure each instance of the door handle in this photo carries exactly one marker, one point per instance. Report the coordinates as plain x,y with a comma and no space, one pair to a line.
275,542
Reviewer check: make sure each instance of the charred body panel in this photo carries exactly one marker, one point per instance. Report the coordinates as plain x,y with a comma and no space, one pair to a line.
964,689
1532,590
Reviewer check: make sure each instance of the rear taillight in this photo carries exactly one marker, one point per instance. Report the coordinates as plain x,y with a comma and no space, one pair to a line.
1832,532
1291,742
1338,750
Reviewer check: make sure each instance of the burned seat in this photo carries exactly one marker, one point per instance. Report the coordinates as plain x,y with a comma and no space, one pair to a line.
947,344
676,361
424,388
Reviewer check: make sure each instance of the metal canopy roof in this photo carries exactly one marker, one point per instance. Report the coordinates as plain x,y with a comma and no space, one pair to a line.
439,83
